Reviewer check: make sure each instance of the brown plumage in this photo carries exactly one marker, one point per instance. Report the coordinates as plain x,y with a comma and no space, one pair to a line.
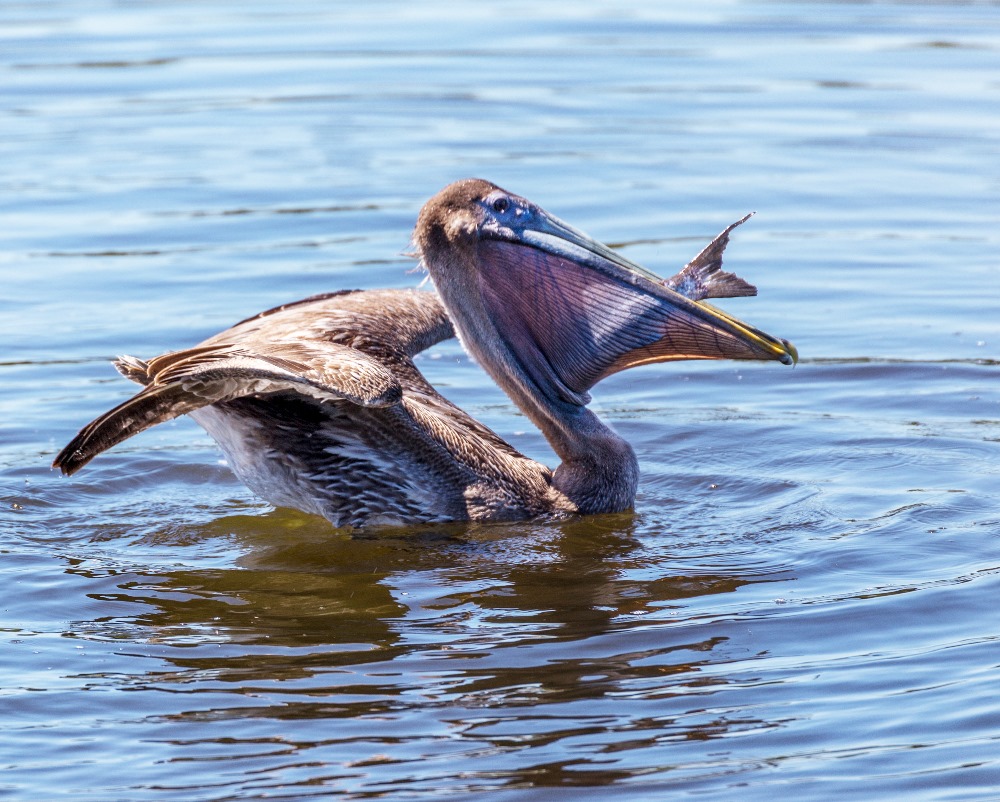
318,405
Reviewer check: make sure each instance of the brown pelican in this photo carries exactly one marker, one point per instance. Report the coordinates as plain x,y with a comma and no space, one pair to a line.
317,404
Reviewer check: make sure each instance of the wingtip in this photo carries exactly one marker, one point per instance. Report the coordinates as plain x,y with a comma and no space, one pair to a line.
69,460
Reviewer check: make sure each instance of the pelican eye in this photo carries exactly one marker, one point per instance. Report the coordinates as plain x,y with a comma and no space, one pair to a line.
501,205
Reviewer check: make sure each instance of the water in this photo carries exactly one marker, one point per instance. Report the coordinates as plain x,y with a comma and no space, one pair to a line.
801,605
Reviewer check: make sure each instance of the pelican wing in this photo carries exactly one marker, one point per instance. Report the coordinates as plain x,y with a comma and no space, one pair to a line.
184,381
345,346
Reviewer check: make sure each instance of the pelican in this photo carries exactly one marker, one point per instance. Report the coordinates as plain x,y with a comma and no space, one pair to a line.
318,405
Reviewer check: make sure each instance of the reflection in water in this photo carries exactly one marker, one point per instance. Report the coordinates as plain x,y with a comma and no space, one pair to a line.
361,629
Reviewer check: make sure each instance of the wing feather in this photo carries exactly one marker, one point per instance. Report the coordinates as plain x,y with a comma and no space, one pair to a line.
184,381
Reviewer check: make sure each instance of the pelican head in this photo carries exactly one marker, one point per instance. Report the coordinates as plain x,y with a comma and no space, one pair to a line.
542,304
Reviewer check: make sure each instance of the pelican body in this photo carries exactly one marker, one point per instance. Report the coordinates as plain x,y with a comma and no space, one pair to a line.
318,405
